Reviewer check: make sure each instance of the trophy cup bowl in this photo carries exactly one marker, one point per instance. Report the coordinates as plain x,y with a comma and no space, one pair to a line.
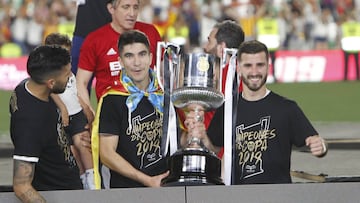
196,82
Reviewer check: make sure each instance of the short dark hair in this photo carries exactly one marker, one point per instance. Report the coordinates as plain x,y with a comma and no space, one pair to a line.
58,39
130,37
252,47
229,32
46,61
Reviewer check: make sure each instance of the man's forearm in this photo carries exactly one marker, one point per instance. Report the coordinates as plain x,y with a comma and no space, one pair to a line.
82,80
31,196
122,166
23,176
84,95
88,110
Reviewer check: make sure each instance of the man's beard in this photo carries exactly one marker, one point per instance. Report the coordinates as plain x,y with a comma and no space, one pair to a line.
251,86
58,89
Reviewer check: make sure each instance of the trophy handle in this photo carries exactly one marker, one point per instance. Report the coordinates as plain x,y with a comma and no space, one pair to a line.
227,51
223,61
157,68
164,72
229,114
169,47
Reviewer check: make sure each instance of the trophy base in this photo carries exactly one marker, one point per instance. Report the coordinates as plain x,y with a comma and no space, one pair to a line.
191,181
193,166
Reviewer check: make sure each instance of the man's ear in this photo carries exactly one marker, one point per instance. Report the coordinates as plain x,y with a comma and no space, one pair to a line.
220,49
238,69
223,45
50,83
120,61
110,8
151,56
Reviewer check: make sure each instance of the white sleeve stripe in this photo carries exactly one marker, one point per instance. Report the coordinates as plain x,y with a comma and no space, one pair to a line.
26,158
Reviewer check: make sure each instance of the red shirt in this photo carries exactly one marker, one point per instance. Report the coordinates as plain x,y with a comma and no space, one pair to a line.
99,54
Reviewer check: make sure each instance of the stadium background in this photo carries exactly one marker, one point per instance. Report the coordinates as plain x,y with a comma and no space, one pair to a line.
307,72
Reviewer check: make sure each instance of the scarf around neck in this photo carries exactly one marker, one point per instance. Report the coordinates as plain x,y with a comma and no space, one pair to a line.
153,92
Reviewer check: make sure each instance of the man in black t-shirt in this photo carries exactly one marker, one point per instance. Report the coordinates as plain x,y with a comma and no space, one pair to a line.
42,156
130,119
267,125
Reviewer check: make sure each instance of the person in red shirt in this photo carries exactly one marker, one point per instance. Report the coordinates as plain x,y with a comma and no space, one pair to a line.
99,52
90,15
225,34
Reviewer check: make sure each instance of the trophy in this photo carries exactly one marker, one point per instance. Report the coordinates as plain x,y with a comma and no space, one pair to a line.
194,80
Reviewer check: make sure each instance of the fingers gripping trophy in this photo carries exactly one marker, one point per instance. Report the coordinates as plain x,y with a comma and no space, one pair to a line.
194,84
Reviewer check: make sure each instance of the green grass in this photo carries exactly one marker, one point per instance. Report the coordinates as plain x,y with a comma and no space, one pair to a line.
4,112
323,102
328,102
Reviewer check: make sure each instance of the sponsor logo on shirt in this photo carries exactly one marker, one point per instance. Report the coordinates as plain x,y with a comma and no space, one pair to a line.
111,52
115,68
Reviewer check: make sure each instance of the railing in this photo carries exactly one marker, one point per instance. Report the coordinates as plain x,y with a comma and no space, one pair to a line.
309,192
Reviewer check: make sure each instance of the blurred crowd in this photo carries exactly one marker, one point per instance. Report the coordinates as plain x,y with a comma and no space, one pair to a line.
303,24
27,22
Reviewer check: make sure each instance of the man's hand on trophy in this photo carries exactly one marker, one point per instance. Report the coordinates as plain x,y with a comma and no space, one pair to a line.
196,131
155,181
194,116
194,121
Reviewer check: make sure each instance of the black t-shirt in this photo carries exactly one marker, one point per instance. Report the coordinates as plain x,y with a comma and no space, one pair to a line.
90,16
140,146
38,137
265,132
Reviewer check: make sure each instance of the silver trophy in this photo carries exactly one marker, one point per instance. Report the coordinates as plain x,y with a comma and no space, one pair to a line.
194,81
